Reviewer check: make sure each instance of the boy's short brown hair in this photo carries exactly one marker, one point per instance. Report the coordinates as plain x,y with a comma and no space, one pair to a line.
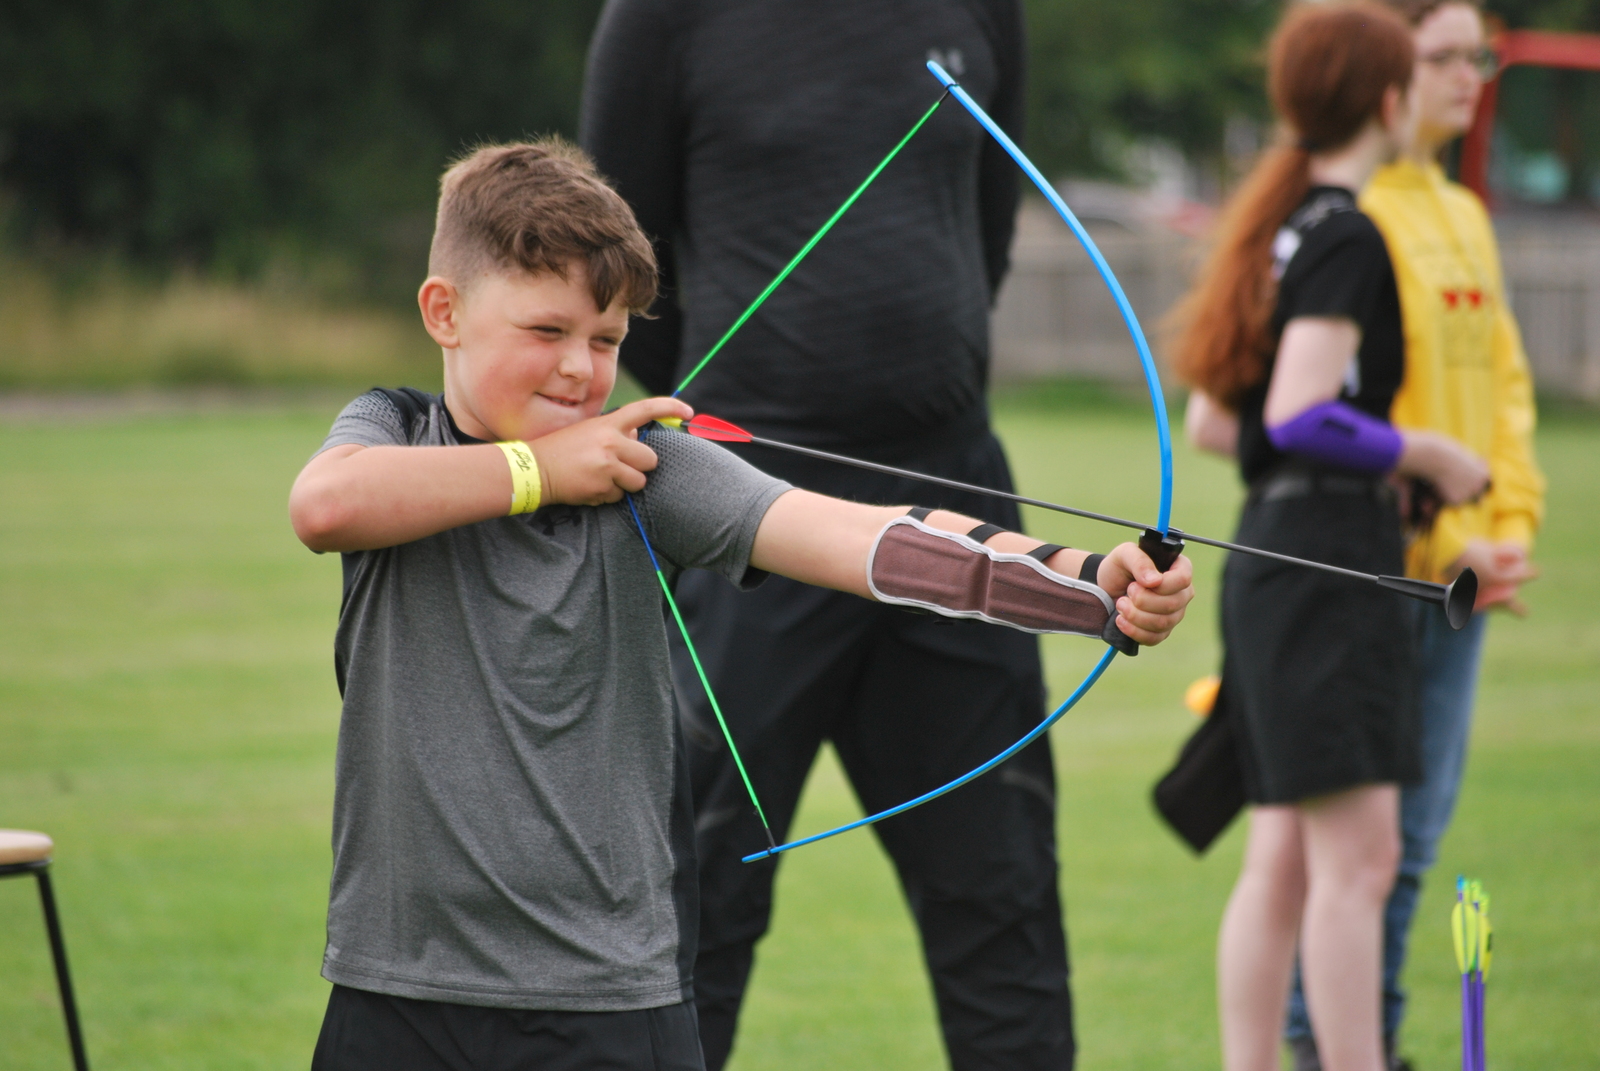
538,207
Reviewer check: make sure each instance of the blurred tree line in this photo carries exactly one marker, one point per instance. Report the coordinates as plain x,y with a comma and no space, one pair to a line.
233,134
1106,73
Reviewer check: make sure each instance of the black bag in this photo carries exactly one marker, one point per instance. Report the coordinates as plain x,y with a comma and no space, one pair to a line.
1203,791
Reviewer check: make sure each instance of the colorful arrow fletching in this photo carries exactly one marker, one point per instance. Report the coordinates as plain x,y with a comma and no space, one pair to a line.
1458,931
709,427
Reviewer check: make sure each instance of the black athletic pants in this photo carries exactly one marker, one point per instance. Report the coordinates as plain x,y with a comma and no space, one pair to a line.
365,1031
908,702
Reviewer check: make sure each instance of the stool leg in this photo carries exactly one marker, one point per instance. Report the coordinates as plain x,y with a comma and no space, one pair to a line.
58,949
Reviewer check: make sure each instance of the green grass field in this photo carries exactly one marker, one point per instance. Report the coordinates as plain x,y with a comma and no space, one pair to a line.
168,711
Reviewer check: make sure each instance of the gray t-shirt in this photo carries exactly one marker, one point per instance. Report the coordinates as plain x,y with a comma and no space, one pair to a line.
511,824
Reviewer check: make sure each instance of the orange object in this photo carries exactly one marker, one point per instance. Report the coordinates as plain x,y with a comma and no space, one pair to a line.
1201,696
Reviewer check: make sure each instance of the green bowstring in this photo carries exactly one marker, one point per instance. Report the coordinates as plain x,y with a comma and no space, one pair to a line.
815,238
715,707
683,630
672,603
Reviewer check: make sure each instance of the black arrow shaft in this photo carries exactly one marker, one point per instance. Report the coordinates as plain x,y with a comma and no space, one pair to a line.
957,484
1258,552
1057,507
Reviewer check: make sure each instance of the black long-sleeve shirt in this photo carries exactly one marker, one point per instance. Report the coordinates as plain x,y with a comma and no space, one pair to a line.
736,127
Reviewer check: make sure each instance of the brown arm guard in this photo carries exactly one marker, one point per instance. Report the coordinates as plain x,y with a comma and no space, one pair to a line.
912,564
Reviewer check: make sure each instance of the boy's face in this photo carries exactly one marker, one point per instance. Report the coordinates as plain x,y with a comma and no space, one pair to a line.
524,355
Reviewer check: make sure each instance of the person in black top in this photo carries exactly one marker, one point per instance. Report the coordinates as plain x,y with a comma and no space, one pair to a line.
1292,340
735,129
1331,264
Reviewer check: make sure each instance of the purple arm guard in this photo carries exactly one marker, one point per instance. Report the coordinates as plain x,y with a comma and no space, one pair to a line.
1340,434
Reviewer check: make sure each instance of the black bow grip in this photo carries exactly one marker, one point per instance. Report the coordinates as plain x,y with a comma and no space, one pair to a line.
1163,550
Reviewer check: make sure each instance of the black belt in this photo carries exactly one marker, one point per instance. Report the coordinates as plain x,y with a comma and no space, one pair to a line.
1302,484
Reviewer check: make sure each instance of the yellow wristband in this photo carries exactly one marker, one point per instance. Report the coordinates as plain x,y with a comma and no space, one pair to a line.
525,486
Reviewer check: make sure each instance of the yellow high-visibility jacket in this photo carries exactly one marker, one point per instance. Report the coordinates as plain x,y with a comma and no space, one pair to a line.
1466,374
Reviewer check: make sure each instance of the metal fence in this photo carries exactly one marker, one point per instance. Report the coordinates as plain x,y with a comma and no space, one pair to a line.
1553,273
1054,317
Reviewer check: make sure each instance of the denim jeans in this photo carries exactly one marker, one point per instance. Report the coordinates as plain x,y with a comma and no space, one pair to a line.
1449,685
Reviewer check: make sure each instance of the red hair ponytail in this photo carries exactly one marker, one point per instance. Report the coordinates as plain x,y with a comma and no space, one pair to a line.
1329,66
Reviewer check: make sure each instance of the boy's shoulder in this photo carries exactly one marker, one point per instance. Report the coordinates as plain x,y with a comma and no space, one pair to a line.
687,461
385,416
410,404
702,495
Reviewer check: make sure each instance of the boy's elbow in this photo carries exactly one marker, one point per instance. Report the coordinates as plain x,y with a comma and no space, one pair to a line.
319,517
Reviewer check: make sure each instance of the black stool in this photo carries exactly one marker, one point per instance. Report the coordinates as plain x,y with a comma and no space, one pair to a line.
21,853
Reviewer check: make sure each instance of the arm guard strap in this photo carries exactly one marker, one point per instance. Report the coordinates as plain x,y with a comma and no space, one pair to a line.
953,575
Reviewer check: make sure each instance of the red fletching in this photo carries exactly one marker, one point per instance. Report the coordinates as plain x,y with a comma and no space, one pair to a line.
709,427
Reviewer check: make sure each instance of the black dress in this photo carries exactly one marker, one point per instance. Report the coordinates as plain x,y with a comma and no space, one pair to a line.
1320,671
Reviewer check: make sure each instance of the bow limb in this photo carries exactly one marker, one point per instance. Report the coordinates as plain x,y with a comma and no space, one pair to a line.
1033,734
1152,377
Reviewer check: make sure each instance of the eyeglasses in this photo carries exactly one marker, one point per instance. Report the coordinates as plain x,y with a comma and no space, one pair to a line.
1483,61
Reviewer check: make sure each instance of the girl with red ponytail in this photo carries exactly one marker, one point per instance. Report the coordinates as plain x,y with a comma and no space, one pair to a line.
1292,342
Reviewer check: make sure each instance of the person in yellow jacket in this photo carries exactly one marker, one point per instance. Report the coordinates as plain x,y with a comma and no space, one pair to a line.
1465,376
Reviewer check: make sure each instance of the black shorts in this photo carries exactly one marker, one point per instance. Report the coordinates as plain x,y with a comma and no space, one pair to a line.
365,1031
